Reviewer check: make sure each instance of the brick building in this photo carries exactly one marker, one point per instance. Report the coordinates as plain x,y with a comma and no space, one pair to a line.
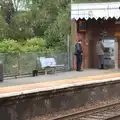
91,21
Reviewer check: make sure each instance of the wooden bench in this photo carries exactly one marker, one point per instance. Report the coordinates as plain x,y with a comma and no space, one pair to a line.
46,64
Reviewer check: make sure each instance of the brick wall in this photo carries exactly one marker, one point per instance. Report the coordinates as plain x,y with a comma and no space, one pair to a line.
92,35
81,36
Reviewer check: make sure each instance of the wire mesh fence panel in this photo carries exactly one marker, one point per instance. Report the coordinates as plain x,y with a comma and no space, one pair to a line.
11,66
61,59
2,57
27,62
23,63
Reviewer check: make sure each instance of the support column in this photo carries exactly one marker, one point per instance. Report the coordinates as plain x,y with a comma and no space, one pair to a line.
73,41
73,31
116,54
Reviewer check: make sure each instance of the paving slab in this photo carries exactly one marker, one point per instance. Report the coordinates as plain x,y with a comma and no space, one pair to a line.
54,77
62,80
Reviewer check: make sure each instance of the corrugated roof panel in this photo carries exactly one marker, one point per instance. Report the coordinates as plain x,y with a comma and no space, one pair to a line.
95,10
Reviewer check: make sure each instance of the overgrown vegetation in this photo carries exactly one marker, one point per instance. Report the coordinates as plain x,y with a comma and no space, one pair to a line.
34,25
30,45
89,1
22,21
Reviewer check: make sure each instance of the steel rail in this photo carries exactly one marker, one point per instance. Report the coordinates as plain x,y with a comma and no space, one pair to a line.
87,112
113,117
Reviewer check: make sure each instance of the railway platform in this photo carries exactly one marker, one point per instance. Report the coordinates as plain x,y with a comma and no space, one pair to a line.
58,80
31,97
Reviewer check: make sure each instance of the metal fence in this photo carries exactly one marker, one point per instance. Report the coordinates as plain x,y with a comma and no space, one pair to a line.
24,63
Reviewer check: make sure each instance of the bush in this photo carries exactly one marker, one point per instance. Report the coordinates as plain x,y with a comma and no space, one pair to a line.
35,45
31,45
21,57
9,46
56,34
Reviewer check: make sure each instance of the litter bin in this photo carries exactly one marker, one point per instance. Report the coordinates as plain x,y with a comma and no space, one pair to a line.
1,71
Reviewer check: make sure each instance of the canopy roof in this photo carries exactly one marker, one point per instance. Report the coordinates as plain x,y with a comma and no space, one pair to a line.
95,10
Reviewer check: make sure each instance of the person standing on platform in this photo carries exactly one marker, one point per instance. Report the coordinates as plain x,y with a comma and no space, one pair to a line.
100,54
78,53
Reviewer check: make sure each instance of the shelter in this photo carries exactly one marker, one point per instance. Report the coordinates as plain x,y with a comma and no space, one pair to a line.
90,22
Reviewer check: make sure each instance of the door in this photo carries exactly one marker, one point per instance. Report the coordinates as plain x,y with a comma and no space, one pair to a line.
110,51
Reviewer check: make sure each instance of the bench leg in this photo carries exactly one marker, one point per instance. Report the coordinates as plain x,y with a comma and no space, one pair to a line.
35,73
54,70
45,72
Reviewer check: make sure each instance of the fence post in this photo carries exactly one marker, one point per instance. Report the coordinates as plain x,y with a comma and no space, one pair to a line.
68,51
1,71
18,64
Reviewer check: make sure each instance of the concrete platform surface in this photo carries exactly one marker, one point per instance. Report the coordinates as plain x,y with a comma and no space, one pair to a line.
55,77
60,80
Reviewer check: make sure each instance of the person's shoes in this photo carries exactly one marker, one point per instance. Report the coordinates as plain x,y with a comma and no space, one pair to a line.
79,70
102,66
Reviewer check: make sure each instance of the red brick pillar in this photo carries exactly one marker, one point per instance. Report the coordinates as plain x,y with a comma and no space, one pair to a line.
81,36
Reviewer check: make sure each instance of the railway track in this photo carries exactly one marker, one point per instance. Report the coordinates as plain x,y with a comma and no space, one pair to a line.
106,112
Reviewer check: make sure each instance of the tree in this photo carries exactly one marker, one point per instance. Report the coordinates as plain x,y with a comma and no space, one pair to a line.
30,18
3,28
7,10
10,7
86,1
56,34
21,26
45,12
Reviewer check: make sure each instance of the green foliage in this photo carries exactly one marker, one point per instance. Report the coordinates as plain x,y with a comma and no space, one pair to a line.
89,1
34,45
9,46
45,12
56,34
31,45
3,28
7,10
21,26
22,20
36,41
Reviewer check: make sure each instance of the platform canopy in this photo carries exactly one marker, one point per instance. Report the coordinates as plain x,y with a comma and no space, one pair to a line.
95,10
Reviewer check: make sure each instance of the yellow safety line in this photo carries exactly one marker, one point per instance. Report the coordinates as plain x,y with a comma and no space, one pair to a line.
64,81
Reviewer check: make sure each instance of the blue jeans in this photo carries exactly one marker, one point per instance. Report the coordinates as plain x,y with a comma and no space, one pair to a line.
100,60
78,62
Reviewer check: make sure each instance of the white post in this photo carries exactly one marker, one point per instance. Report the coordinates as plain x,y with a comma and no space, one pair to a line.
116,54
68,49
